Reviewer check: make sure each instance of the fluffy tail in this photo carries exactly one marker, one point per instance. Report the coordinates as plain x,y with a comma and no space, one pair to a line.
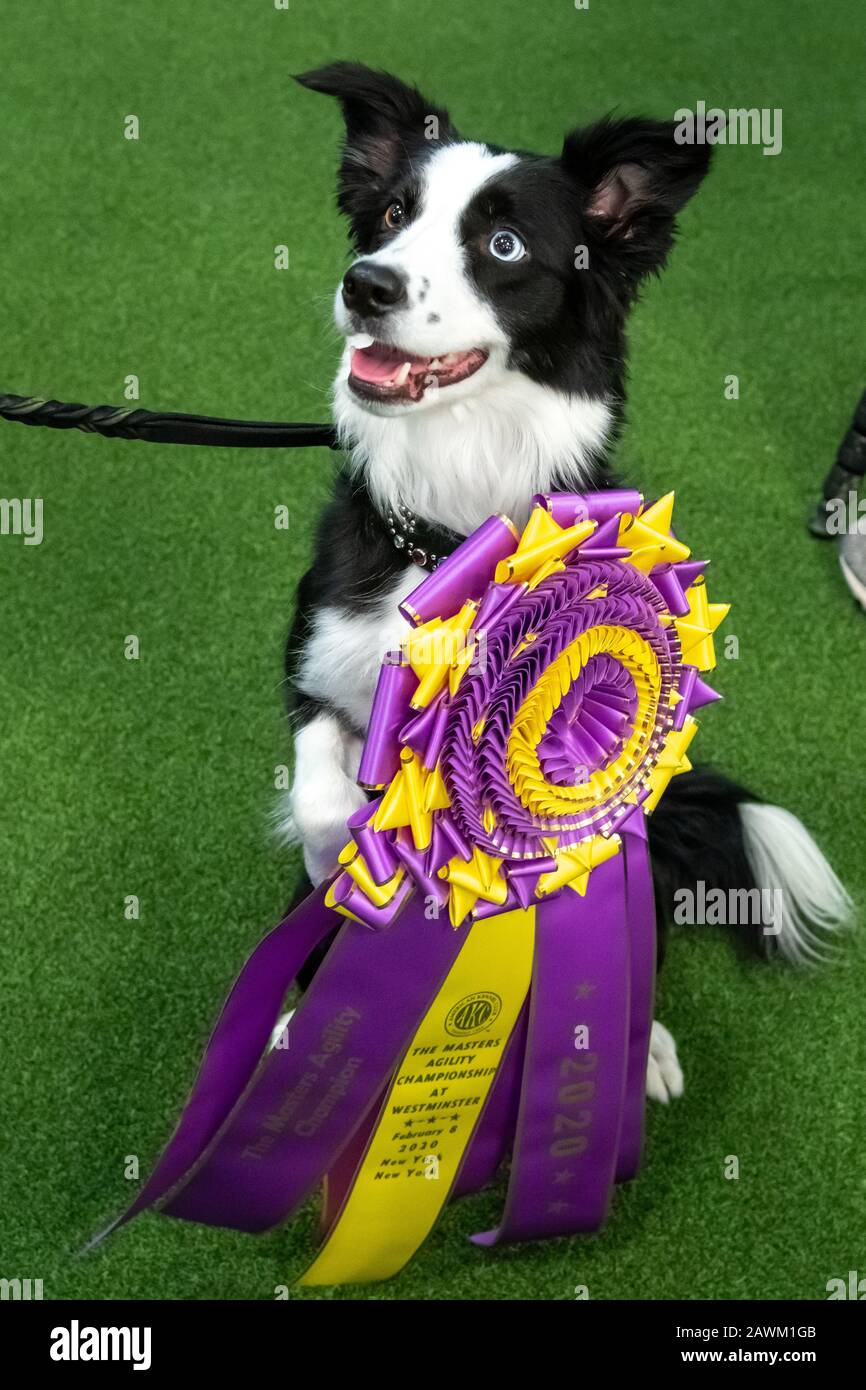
719,855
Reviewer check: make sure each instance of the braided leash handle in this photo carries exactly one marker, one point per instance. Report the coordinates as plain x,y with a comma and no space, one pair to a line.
155,427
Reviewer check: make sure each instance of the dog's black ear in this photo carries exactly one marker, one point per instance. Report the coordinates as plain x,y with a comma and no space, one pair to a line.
385,119
634,177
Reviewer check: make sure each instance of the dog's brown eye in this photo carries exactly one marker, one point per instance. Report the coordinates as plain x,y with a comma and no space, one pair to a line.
395,216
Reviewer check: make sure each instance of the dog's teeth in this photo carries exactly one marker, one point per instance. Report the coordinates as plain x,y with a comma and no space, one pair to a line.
436,364
402,376
451,357
360,340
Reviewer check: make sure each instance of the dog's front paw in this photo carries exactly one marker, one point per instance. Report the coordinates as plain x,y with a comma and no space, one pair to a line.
664,1076
320,810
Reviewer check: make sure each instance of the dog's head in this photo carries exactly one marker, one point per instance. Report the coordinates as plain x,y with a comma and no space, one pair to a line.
475,262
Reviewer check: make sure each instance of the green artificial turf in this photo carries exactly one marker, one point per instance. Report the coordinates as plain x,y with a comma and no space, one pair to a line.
154,777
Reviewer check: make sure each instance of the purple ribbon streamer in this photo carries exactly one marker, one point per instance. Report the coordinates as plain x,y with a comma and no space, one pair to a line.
240,1158
640,910
565,1154
240,1037
495,1130
364,1003
229,1163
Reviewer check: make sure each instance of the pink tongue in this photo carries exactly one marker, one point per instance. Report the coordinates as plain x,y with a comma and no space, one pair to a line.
379,364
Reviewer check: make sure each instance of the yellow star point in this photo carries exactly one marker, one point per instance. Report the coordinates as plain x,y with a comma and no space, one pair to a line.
433,649
467,882
575,864
648,536
695,629
403,802
460,666
671,763
542,548
435,792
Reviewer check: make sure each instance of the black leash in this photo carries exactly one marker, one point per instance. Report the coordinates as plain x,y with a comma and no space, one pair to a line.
168,427
418,542
159,427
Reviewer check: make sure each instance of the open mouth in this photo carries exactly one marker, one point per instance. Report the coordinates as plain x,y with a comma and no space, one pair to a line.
380,372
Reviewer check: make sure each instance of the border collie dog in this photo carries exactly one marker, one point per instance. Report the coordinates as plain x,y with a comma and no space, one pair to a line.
484,319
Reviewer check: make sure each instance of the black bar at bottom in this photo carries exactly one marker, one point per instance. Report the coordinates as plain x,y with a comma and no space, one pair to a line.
246,1337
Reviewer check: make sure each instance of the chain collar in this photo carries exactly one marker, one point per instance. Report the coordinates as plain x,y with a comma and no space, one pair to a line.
415,540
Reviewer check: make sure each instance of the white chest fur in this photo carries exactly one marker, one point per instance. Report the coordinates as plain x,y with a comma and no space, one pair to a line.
341,659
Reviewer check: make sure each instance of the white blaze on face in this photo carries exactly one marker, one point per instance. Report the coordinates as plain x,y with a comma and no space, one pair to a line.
483,444
445,312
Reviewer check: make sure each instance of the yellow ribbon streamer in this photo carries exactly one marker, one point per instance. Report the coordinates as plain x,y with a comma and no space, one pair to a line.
432,1107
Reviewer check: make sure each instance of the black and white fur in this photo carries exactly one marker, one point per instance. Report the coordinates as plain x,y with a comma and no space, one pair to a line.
541,413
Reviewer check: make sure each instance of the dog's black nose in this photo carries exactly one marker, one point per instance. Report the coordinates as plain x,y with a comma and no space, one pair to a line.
369,288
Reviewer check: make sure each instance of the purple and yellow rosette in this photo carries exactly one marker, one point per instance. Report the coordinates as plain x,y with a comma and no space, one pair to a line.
490,991
545,692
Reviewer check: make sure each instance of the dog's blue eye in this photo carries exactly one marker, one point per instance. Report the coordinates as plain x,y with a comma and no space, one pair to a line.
507,246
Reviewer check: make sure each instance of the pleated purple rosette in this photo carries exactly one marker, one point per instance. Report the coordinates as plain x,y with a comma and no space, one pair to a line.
591,724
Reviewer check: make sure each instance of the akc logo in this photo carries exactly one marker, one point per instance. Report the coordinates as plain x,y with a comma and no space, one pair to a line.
473,1014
